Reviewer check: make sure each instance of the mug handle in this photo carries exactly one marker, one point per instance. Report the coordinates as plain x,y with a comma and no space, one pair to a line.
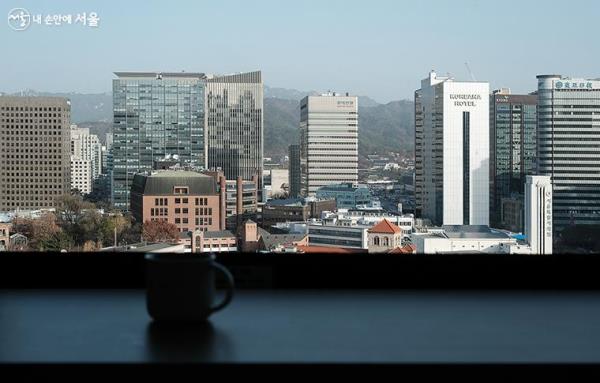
230,286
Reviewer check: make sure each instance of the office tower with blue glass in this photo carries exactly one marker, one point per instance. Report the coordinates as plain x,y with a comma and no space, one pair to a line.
203,121
155,114
234,125
513,135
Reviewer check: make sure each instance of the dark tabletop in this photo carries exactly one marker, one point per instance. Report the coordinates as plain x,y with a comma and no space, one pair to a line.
306,326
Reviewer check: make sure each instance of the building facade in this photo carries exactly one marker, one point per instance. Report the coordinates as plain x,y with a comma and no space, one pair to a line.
234,121
187,199
538,214
155,114
569,147
35,153
87,147
294,210
294,171
81,175
513,135
346,195
328,141
454,150
384,236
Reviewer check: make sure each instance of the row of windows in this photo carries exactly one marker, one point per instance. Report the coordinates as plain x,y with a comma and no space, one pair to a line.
32,108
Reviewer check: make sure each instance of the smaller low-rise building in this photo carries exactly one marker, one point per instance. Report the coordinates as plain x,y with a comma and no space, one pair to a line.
189,200
4,236
295,210
346,195
222,241
466,239
384,237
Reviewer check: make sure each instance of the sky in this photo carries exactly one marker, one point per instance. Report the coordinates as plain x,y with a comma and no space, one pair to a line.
376,48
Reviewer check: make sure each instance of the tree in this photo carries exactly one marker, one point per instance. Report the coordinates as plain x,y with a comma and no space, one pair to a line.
39,231
71,208
57,242
160,231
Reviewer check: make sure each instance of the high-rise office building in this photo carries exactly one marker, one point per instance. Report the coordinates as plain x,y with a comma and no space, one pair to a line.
513,125
418,176
155,115
454,150
34,152
569,147
234,125
538,214
86,146
294,170
328,141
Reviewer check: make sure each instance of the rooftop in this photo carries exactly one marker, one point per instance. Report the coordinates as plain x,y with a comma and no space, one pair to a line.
163,182
219,234
155,75
473,231
385,227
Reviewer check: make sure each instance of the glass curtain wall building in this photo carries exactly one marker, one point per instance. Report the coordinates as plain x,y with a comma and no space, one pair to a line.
569,147
513,124
155,114
234,121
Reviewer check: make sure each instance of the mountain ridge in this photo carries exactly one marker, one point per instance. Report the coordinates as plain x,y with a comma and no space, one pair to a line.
383,128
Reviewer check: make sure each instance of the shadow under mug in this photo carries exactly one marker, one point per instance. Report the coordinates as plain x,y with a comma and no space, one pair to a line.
181,287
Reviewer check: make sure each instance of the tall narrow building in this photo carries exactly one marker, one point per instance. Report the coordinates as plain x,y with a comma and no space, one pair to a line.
513,134
454,151
294,177
538,214
35,152
234,125
87,147
328,141
569,147
418,155
155,114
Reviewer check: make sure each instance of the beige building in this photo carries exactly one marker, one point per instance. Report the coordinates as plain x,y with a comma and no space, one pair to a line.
222,241
35,150
328,141
384,236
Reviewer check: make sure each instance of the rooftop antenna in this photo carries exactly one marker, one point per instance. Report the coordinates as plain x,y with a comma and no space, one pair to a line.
470,72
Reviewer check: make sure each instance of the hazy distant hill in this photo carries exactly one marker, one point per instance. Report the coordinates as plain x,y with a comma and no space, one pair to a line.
382,127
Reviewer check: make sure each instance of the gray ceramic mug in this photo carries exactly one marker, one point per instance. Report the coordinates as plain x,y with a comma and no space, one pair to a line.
181,287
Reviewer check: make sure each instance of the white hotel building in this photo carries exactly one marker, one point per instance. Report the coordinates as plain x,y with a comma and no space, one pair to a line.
452,151
569,147
328,141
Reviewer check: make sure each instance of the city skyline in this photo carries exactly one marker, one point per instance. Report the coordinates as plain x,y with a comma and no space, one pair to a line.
379,60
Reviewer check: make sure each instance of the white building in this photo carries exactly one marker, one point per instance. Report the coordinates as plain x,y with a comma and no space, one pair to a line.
81,175
328,141
452,151
466,239
569,147
87,146
538,214
349,228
